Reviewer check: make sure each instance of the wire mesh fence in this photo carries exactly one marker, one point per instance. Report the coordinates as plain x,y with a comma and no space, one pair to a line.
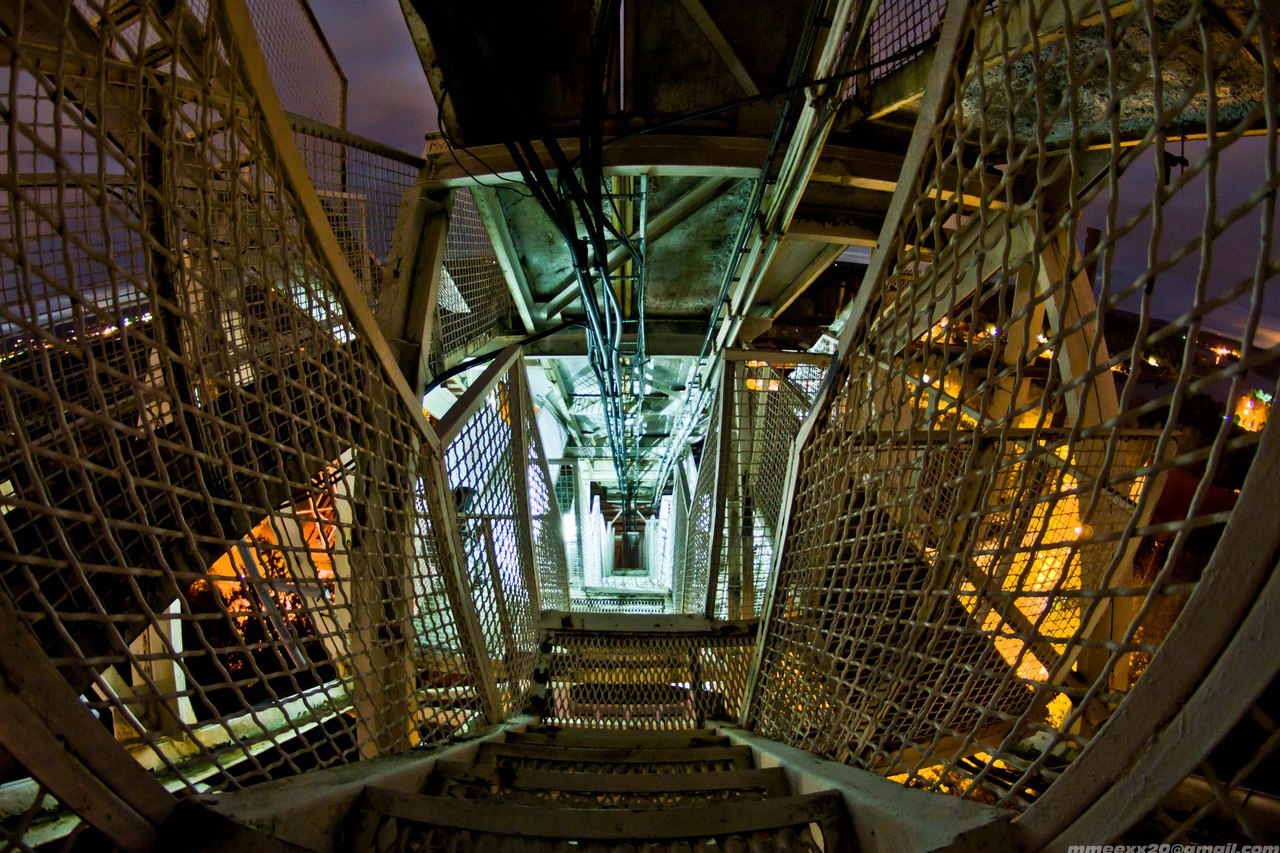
361,185
898,26
509,524
218,512
679,534
766,409
1048,407
626,675
474,302
700,527
303,68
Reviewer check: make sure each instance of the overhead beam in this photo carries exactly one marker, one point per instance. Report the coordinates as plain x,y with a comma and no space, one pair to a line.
650,154
657,343
720,44
821,262
702,194
836,228
843,42
658,154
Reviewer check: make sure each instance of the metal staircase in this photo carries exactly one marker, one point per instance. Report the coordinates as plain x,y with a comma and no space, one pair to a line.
553,789
1000,569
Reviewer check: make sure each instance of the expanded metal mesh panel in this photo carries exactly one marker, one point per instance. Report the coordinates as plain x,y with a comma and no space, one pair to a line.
699,532
635,680
767,409
576,799
361,188
501,572
1045,413
474,300
215,510
303,68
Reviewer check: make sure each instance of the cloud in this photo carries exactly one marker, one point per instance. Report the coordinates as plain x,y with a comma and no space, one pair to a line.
1228,268
388,98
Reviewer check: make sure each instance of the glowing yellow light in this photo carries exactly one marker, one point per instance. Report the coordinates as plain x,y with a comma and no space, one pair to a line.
1252,411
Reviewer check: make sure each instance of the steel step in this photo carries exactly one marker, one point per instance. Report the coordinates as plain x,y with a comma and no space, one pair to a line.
623,760
618,738
786,823
604,790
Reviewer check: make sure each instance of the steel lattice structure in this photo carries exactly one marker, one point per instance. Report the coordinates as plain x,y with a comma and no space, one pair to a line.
1017,547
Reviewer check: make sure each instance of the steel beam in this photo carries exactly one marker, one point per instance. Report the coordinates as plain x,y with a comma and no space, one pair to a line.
698,197
45,726
822,261
720,44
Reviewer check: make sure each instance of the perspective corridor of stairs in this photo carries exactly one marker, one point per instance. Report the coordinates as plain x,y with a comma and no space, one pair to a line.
551,789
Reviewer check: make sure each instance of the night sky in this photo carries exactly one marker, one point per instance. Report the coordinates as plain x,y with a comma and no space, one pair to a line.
388,98
1234,253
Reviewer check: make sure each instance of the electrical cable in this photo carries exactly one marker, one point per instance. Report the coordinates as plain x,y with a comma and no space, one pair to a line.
515,186
904,54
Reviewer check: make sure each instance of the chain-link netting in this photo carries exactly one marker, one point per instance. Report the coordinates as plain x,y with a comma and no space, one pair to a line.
216,507
1047,407
679,534
474,302
659,542
545,517
628,678
361,185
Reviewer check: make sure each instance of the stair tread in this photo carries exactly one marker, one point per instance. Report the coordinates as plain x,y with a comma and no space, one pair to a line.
489,752
772,780
620,738
500,816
